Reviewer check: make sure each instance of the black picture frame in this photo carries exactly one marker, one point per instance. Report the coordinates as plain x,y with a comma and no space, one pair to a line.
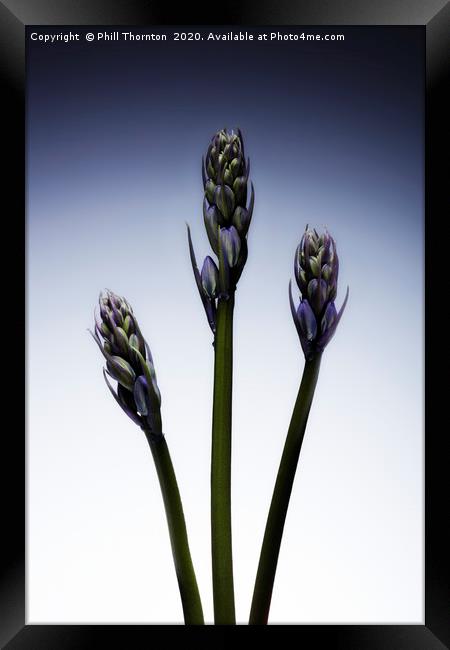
15,15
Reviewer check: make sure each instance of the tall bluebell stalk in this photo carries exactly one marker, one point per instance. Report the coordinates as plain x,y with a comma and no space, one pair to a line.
129,363
316,271
227,212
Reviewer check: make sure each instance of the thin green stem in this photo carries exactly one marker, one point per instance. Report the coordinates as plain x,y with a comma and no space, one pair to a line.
222,559
187,583
270,550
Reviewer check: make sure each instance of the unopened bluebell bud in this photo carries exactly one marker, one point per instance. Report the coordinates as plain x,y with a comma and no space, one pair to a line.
122,371
140,394
240,189
224,201
329,317
212,221
128,361
225,172
316,269
227,217
210,188
210,277
317,294
241,220
231,244
307,321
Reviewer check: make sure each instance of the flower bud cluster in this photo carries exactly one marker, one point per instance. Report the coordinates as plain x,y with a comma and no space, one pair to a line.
316,269
227,219
128,361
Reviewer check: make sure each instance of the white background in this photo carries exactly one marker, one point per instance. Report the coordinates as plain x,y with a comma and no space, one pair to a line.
98,548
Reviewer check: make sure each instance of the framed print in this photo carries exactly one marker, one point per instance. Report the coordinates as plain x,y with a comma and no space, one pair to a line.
274,461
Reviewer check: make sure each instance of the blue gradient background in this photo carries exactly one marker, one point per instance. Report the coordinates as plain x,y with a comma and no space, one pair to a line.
115,134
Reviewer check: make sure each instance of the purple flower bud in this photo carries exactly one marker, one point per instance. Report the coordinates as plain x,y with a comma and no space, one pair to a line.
225,174
128,361
307,321
228,152
128,325
118,317
212,219
312,243
332,291
317,294
135,343
329,317
235,166
106,332
327,335
121,340
221,166
122,371
209,190
228,177
316,269
210,277
231,244
328,248
103,303
240,190
314,266
224,200
140,394
209,308
326,272
222,139
210,170
241,220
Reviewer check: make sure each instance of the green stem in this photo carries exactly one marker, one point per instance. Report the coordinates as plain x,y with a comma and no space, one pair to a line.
187,583
270,550
222,559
